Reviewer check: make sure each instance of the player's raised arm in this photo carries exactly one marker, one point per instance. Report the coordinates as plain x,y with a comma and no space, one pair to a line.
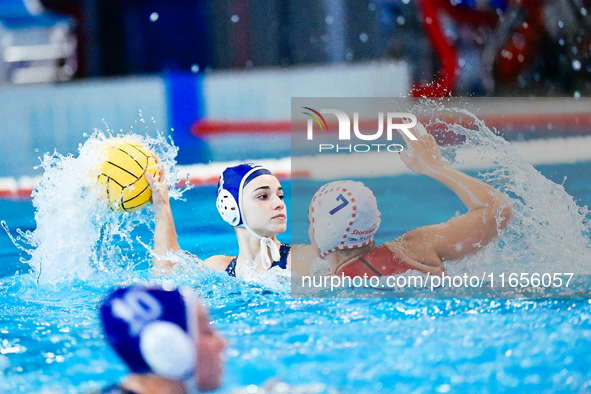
165,238
488,210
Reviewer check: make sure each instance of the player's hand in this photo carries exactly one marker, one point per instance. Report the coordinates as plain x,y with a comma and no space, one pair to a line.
421,156
160,199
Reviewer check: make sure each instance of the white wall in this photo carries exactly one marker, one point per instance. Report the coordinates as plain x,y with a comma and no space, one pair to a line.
56,116
48,117
266,93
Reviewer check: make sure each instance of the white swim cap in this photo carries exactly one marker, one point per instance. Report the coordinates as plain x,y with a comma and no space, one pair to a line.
344,215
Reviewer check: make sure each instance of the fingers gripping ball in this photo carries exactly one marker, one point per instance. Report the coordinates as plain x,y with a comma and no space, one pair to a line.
121,174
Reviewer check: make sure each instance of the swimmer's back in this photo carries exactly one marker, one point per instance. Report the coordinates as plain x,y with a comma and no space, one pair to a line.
379,261
383,260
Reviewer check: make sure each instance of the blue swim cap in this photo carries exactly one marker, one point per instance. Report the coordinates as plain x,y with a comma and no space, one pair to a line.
229,204
153,330
229,198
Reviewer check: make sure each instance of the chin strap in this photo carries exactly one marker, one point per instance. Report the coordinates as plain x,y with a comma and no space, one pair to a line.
266,243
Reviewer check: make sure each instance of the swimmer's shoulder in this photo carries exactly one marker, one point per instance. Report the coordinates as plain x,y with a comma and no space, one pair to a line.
300,258
301,251
218,262
424,263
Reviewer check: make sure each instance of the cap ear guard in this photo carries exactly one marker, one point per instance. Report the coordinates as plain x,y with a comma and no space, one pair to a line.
229,194
228,207
168,350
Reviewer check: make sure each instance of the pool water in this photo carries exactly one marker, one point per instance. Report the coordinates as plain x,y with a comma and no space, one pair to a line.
51,340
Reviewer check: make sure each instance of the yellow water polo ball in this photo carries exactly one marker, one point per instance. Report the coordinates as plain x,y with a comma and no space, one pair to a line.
121,174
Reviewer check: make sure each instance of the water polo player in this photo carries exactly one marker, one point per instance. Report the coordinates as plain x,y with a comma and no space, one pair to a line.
250,198
165,339
344,218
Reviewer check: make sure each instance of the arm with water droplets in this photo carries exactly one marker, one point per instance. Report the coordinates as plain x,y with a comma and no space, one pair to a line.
165,237
488,213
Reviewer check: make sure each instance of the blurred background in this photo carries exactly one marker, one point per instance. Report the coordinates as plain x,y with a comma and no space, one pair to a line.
500,46
213,73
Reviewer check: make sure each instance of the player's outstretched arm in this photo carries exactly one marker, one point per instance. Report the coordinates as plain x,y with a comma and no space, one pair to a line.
165,238
488,213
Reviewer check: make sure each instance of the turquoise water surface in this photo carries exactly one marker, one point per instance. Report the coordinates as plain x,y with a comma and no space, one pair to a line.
51,340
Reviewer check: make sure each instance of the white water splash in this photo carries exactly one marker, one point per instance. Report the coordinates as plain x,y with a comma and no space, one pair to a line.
275,279
548,233
77,234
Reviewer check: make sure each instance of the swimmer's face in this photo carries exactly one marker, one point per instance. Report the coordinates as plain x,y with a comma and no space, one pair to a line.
311,232
263,206
209,352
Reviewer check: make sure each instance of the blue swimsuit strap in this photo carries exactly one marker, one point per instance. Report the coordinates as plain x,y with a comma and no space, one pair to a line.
282,263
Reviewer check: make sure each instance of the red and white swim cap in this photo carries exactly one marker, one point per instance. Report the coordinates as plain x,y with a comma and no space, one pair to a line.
344,215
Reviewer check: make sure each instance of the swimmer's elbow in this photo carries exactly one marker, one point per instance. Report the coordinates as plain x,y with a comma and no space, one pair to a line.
507,215
504,214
